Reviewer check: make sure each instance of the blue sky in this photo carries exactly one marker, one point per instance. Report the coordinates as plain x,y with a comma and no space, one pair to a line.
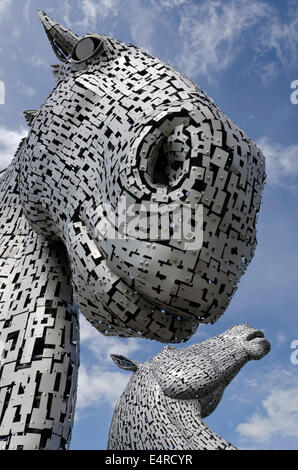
243,53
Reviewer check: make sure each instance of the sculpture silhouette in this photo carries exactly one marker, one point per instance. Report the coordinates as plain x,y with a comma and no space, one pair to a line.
119,124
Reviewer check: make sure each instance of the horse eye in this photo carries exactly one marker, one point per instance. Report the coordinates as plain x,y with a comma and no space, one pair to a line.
86,48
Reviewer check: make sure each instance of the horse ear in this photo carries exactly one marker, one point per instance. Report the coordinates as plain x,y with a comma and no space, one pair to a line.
30,115
125,363
62,39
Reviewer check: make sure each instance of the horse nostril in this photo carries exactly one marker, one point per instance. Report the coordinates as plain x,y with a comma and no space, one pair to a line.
159,164
166,165
169,159
254,334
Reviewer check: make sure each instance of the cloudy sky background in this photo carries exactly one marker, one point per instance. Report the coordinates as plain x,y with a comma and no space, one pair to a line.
244,54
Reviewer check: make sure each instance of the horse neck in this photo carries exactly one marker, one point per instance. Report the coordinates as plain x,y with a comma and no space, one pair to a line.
145,419
190,428
140,420
11,212
15,234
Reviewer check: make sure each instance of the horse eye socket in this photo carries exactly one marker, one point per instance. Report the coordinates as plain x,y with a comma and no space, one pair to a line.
86,48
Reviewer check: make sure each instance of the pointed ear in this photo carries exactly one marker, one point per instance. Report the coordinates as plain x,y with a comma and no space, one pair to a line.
124,363
30,115
62,39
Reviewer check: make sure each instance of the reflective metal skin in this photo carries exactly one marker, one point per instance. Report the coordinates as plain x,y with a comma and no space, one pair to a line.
119,125
167,397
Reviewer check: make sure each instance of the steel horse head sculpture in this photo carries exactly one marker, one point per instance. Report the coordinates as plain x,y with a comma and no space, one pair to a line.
167,397
120,125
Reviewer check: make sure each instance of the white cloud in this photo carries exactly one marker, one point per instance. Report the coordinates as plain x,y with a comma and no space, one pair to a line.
4,7
27,7
94,10
67,9
9,141
267,72
2,92
282,38
103,346
38,61
279,419
273,390
143,26
150,22
240,398
276,45
281,162
16,33
90,12
100,381
168,3
97,386
212,33
144,20
280,338
25,90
